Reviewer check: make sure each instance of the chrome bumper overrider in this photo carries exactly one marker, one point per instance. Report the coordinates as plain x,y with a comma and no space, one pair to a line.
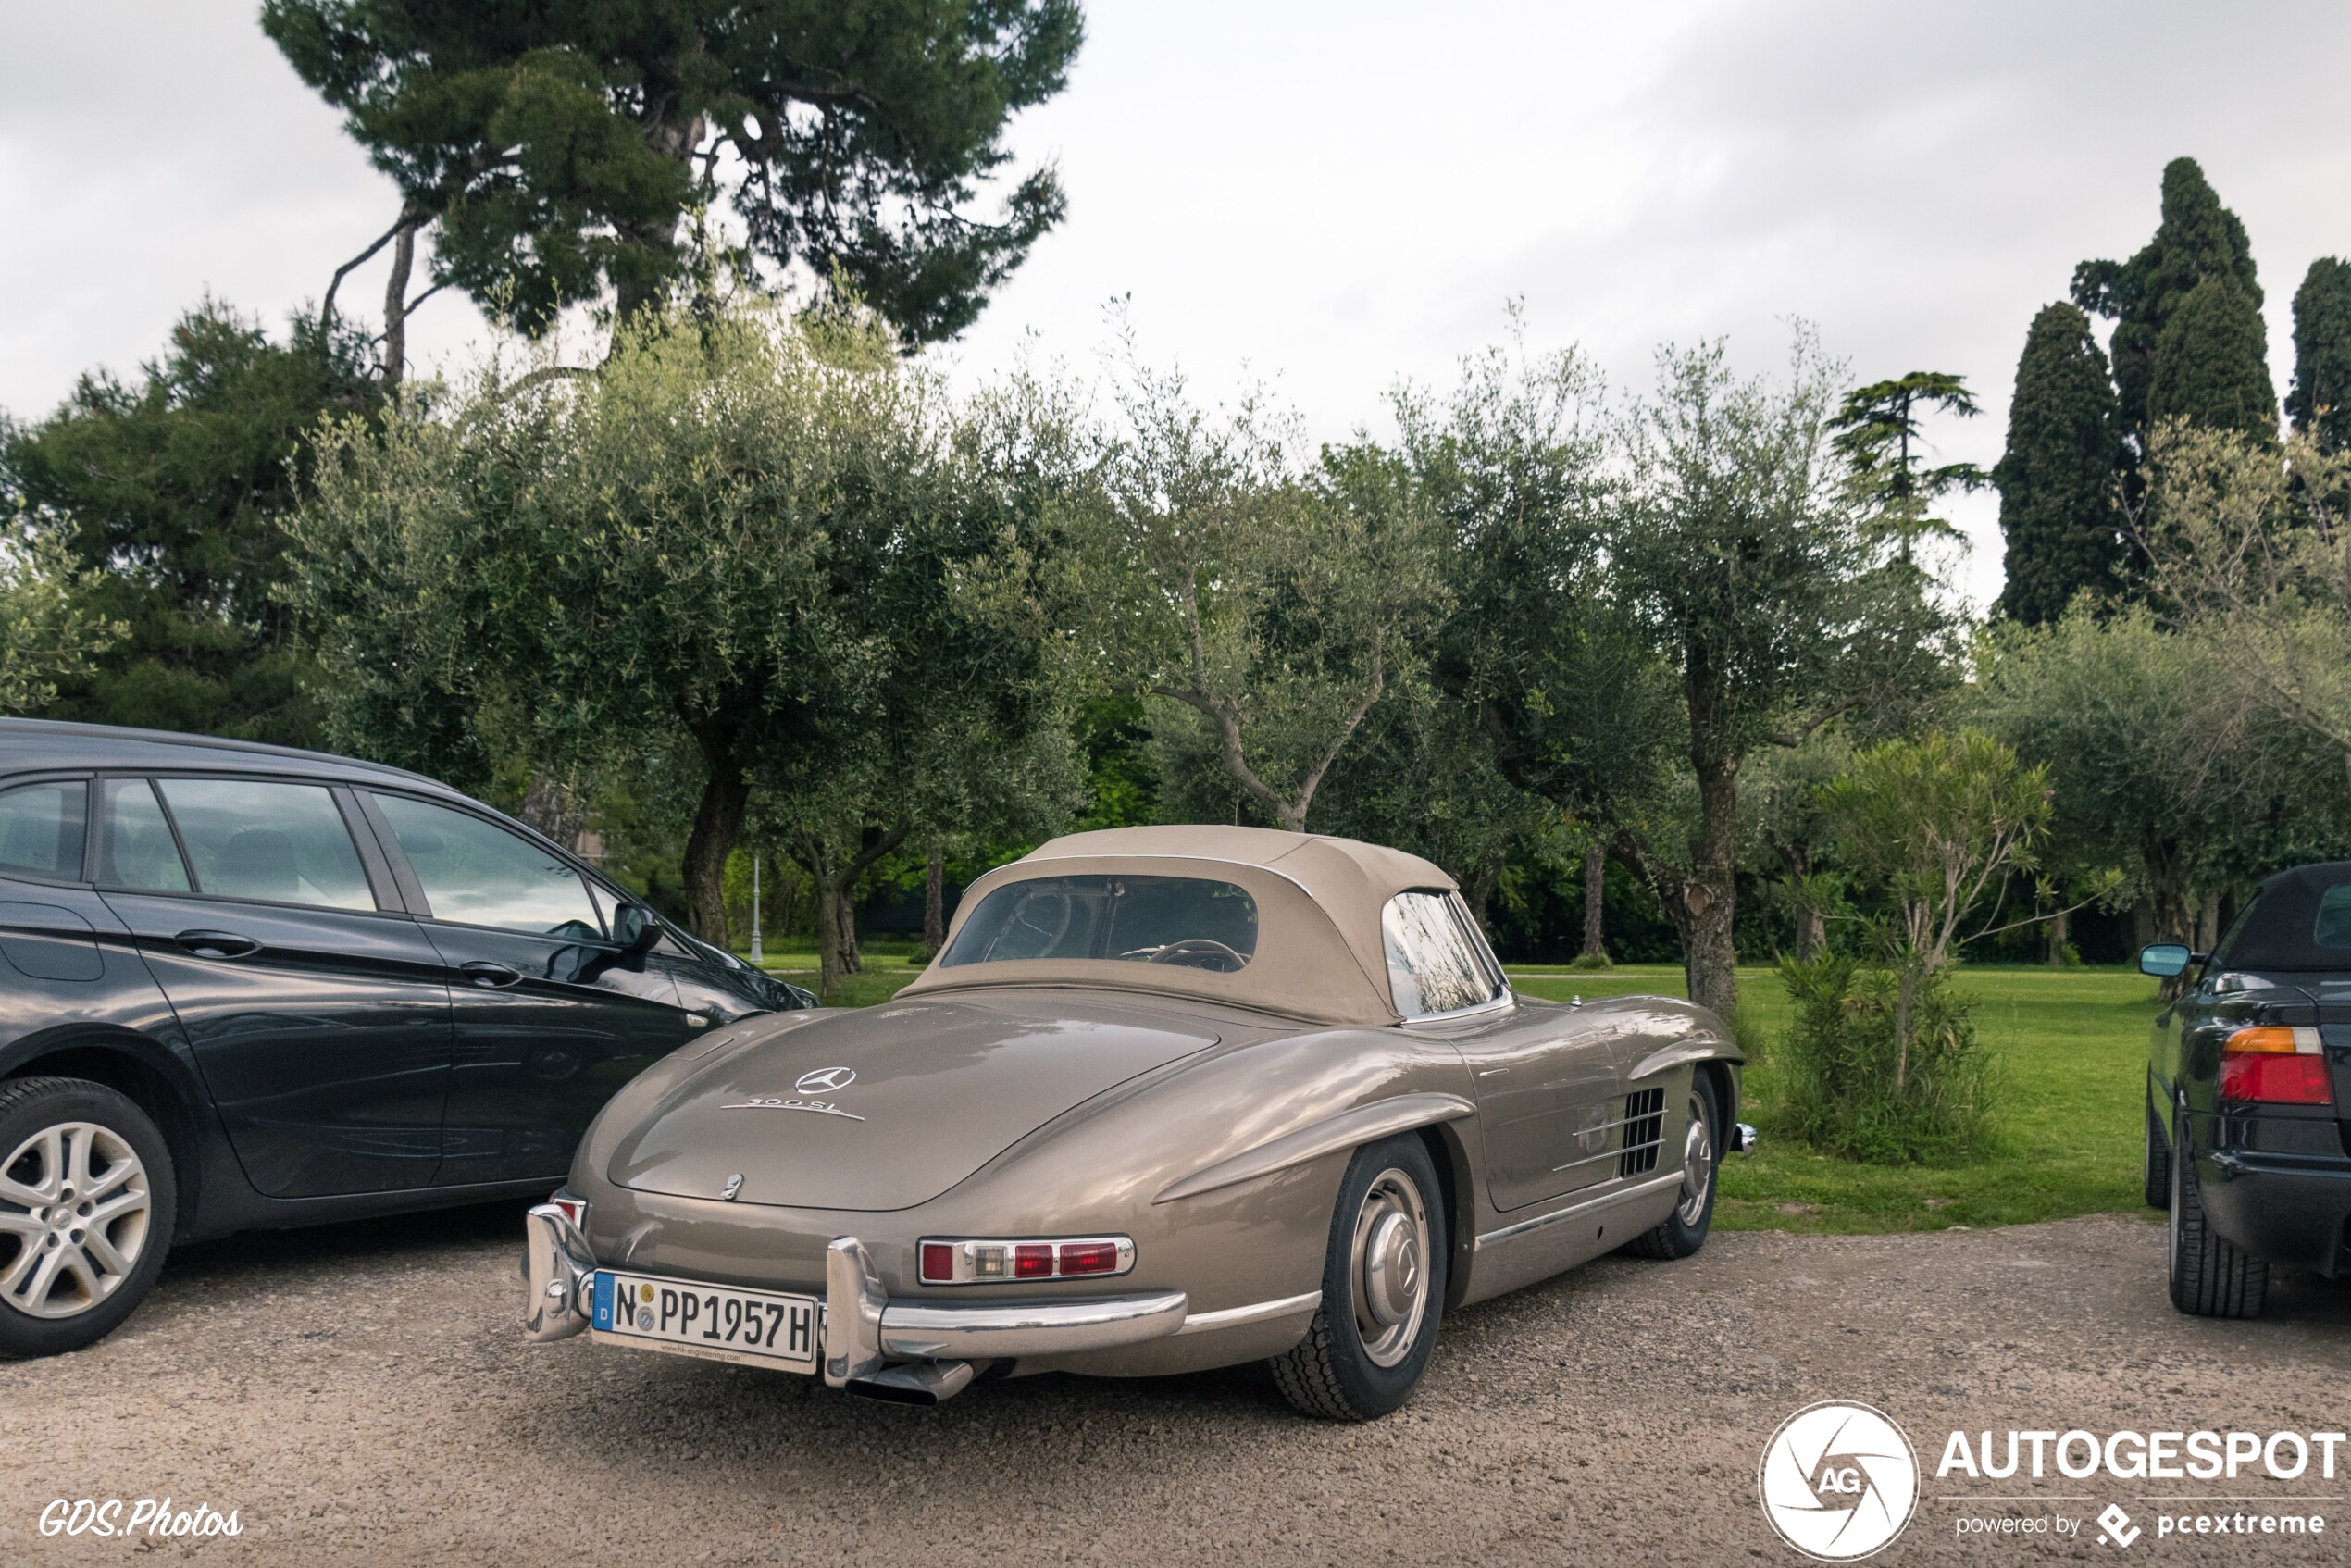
865,1332
556,1272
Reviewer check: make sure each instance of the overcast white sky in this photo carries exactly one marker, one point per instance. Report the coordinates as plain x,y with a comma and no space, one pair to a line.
1337,195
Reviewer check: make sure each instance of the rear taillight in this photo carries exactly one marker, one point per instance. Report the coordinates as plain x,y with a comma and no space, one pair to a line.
575,1209
974,1262
2276,1065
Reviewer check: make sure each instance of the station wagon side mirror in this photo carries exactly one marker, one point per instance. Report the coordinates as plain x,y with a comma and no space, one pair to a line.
2165,960
634,928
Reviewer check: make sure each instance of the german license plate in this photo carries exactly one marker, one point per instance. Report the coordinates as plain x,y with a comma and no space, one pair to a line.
716,1322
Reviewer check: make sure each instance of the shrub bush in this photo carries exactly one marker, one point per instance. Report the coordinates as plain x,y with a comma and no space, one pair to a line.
1836,1067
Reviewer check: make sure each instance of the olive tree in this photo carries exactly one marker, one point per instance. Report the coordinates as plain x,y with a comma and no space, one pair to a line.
2249,544
1937,822
1573,706
1273,601
708,538
48,631
1737,539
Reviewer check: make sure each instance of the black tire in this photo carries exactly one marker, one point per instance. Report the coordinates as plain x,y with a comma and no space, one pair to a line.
28,1108
2156,1167
1683,1231
1334,1372
2210,1276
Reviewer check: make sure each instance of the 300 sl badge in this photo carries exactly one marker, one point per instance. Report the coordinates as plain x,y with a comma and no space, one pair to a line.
770,1103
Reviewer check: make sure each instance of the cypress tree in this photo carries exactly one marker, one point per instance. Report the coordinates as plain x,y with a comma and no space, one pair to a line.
2212,364
2196,239
2058,508
2321,402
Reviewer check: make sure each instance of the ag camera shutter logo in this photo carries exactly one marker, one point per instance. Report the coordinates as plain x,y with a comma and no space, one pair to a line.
1838,1481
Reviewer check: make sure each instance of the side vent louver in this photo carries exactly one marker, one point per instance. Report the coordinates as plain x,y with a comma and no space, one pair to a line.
1644,1130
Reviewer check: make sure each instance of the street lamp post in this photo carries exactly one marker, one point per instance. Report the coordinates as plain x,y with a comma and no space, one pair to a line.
755,960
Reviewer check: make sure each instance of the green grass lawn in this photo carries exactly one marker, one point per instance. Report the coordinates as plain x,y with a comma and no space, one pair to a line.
2070,1048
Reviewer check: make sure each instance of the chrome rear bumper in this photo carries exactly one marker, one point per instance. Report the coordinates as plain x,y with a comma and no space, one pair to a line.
878,1328
864,1331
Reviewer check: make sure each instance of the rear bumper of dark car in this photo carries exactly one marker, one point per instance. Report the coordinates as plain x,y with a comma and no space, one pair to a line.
2289,1210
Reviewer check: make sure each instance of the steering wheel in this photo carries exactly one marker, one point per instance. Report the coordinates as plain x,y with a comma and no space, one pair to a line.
1199,953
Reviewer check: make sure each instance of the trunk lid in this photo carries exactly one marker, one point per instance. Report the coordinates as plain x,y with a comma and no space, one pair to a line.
886,1107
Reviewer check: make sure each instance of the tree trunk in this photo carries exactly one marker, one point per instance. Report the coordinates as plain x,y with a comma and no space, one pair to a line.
835,886
554,808
935,900
2207,926
2174,922
1710,957
404,261
842,899
817,857
1812,933
1477,888
1905,1001
2059,924
1595,899
718,820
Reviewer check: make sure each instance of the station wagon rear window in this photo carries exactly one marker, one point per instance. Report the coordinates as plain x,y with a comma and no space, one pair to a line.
1184,922
40,830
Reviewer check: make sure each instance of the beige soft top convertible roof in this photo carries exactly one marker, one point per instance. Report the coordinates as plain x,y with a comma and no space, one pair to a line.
1319,952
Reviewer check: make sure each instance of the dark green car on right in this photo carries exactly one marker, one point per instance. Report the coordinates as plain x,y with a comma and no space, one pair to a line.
2248,1076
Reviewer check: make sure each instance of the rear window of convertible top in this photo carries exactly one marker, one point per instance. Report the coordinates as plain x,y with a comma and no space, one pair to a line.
1184,922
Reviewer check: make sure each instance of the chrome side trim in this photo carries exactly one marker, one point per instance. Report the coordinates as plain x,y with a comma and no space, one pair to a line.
984,1330
1256,1312
1589,1205
557,1271
1346,1130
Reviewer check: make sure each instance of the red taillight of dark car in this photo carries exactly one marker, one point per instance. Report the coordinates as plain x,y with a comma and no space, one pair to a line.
2276,1065
975,1261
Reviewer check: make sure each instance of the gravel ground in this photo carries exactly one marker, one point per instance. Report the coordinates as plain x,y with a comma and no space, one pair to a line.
361,1391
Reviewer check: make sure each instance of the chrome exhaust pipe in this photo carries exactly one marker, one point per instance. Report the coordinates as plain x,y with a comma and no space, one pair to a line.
1743,1139
558,1274
915,1382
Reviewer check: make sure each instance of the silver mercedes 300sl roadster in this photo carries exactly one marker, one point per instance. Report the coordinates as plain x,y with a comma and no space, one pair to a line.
1169,1098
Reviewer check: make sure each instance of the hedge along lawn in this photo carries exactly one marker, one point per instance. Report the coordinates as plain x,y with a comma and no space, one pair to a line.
2069,1052
2069,1048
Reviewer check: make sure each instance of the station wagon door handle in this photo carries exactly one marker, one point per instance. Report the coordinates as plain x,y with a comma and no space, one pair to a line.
217,944
488,976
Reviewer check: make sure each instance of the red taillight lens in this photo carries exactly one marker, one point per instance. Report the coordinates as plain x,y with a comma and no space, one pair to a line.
2276,1079
575,1209
1089,1257
976,1261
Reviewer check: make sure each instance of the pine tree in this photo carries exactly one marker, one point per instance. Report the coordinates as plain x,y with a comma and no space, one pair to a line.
174,489
2212,364
2321,402
558,150
2196,239
2058,508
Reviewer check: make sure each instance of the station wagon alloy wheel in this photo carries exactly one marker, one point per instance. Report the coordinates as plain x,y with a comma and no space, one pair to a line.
75,1200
